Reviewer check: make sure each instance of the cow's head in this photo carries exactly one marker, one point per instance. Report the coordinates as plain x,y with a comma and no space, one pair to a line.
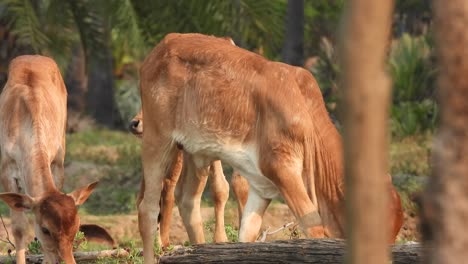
136,125
56,219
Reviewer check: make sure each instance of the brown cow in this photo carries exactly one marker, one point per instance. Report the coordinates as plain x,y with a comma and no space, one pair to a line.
266,119
32,144
188,191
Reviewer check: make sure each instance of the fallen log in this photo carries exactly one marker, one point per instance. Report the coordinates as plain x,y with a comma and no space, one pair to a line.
79,256
281,251
284,251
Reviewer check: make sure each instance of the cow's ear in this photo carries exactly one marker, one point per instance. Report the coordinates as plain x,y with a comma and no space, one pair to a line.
18,202
80,195
98,234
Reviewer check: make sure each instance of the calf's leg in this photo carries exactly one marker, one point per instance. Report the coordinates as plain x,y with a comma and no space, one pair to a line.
167,199
157,156
220,192
252,216
240,187
188,195
19,221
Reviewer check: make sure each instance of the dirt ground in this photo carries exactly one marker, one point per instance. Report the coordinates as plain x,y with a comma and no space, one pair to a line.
124,228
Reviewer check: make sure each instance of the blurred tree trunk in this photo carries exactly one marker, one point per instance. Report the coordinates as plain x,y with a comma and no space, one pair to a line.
76,80
446,198
366,89
293,49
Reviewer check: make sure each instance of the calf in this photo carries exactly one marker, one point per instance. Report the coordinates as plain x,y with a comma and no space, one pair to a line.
32,146
188,191
266,119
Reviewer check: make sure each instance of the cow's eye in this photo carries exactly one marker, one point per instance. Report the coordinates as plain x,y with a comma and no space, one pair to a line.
45,231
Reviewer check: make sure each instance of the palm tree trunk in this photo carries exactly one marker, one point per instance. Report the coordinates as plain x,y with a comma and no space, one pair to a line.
100,100
366,90
101,90
446,198
293,49
76,81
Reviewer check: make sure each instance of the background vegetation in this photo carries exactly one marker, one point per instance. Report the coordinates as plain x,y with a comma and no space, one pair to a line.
99,46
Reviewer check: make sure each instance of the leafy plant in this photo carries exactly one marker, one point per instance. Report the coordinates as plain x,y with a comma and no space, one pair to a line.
134,255
35,246
410,118
80,241
232,233
412,67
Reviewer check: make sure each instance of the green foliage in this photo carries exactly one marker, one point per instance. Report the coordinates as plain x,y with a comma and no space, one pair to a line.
327,71
134,256
409,186
411,155
34,247
80,241
127,35
412,68
321,21
232,233
253,23
51,27
413,71
411,118
127,96
26,23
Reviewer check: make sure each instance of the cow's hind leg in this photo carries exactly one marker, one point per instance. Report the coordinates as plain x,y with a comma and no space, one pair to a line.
188,195
19,223
286,174
220,193
167,199
157,156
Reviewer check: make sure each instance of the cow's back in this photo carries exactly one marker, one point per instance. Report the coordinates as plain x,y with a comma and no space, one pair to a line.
32,109
199,80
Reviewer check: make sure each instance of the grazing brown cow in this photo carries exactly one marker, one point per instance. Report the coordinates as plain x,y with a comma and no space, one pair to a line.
188,191
266,119
32,144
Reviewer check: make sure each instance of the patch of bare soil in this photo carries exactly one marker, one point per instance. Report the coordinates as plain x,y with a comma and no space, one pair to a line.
125,227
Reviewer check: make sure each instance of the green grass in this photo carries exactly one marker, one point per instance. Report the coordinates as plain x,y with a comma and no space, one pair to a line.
103,146
410,166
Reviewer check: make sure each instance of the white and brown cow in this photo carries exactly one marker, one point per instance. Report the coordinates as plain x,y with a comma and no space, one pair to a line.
266,119
33,115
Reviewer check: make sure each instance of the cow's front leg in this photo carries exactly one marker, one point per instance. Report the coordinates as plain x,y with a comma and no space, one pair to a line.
252,216
156,158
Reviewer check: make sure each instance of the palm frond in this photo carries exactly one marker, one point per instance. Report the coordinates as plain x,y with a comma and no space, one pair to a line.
26,24
253,23
60,28
125,26
91,21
